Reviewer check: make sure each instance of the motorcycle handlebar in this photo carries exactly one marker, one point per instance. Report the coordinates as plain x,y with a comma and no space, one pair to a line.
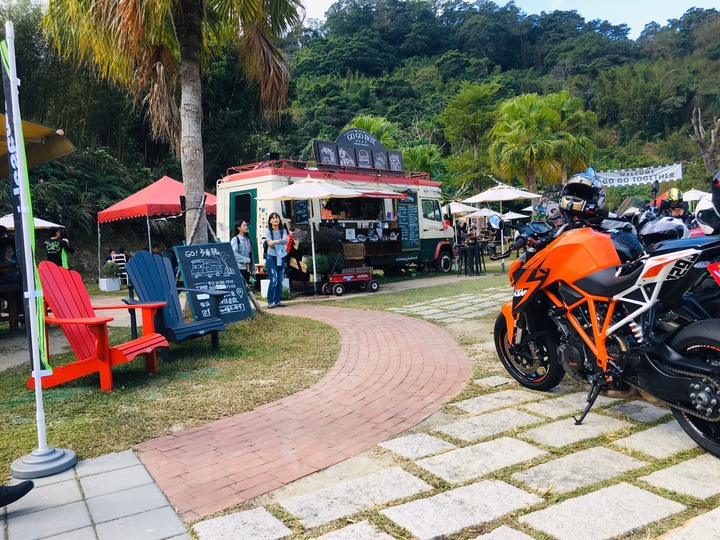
517,244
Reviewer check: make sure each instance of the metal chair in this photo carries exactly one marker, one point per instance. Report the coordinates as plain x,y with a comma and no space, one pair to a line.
120,260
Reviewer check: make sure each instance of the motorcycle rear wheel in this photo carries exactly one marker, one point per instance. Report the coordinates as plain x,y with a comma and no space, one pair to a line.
699,341
547,376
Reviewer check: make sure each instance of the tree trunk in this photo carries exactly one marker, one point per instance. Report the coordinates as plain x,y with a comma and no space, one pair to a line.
708,148
188,25
531,180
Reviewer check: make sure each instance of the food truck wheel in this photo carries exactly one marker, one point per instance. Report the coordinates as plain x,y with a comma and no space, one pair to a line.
338,289
326,288
374,286
444,262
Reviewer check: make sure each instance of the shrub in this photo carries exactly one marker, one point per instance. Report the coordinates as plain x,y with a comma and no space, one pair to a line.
109,270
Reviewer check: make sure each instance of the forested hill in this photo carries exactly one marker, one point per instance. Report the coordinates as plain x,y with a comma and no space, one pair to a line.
438,79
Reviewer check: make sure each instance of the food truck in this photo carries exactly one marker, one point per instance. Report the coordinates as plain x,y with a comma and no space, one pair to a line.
397,217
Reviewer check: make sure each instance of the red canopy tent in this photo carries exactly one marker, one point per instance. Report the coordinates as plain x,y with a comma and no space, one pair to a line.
159,199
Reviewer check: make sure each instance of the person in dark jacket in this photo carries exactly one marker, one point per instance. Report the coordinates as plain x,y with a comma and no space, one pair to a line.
673,205
57,248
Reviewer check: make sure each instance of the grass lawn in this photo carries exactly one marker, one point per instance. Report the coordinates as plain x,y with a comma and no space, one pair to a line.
260,360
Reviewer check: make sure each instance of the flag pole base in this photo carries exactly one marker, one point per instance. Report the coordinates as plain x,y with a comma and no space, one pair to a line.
41,463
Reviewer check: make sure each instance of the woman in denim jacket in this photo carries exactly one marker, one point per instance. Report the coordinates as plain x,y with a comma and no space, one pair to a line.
277,239
242,248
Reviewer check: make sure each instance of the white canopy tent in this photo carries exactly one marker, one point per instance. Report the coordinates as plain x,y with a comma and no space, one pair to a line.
695,195
8,222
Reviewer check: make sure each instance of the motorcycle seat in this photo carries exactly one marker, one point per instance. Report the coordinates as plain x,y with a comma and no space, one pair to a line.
606,283
668,246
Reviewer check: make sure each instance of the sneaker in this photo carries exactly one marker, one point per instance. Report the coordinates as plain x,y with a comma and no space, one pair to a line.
271,306
280,304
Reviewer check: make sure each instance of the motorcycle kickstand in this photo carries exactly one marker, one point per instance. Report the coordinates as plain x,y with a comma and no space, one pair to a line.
592,396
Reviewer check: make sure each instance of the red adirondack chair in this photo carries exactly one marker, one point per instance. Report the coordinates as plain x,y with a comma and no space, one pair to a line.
67,298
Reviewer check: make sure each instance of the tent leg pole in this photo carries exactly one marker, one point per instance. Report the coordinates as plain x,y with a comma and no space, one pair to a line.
148,229
99,255
312,242
502,241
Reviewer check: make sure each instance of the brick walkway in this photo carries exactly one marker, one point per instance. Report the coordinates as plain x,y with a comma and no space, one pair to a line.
392,372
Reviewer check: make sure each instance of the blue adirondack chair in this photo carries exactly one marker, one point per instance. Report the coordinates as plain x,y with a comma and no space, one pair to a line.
152,279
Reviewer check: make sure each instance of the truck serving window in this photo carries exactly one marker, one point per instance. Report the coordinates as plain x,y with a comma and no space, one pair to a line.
431,210
356,208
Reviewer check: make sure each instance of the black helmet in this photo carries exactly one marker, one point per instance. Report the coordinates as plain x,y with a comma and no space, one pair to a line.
583,195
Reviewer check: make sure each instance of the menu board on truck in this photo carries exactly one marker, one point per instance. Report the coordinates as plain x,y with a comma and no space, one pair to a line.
407,217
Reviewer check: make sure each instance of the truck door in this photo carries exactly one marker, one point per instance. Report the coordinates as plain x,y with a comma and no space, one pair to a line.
243,207
431,226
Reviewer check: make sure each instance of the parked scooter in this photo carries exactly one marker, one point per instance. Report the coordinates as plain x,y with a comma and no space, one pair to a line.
583,306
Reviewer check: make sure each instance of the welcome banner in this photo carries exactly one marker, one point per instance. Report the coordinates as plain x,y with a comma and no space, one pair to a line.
645,175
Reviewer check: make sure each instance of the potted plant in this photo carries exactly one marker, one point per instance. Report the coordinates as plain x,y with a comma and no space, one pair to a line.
109,277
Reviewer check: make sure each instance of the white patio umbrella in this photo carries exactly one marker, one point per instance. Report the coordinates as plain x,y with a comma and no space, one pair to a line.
483,212
9,223
310,189
455,208
514,215
500,193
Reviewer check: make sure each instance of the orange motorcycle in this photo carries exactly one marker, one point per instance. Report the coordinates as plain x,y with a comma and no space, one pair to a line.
592,304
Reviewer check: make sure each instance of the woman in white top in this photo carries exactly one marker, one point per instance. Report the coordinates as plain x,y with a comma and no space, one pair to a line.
277,239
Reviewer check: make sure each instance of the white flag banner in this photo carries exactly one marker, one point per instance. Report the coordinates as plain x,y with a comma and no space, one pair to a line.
645,175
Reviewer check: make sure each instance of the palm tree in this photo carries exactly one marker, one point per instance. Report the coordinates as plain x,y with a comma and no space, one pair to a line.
155,47
576,126
524,144
384,130
424,157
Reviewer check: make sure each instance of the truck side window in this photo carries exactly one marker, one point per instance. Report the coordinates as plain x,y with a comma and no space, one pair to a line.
431,210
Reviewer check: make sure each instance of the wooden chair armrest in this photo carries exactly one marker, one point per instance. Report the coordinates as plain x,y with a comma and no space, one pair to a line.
132,304
89,321
148,313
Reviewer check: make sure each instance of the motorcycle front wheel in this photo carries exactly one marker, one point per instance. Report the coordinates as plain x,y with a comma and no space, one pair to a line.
699,341
544,375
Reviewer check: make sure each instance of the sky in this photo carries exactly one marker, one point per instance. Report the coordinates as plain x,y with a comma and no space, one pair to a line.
635,13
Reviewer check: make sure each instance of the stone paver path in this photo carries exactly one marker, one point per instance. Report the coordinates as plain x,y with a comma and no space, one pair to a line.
486,466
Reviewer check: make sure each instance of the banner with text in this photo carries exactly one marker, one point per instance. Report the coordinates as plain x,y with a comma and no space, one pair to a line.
645,175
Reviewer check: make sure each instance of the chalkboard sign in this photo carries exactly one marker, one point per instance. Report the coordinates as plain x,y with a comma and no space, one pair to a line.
407,217
213,266
302,215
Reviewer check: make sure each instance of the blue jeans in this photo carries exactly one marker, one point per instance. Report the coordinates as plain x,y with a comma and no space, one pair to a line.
275,273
